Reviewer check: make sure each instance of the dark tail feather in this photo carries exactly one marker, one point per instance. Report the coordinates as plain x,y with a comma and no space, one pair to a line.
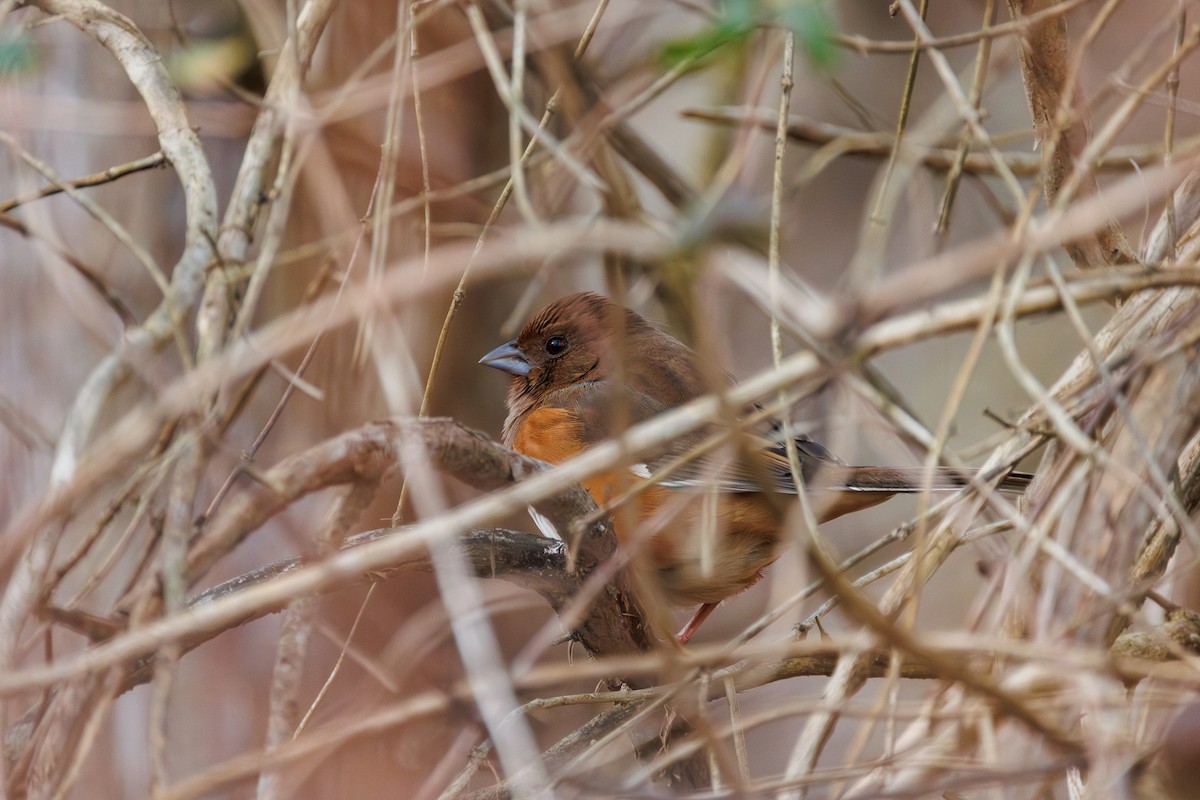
899,480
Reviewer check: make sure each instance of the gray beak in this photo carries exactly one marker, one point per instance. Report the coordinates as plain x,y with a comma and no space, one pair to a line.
507,358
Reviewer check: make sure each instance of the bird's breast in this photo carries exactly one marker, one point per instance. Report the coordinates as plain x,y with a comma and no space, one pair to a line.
550,434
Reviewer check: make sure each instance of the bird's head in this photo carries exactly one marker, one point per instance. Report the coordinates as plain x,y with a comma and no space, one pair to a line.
569,341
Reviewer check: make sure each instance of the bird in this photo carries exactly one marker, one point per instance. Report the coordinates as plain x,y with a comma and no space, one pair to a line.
585,367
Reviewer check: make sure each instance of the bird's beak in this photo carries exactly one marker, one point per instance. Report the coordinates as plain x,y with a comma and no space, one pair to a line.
507,358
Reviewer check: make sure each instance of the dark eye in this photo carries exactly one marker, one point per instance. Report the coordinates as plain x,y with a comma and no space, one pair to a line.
556,345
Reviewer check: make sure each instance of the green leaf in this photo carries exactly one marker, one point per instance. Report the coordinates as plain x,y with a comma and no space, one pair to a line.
736,22
807,19
703,44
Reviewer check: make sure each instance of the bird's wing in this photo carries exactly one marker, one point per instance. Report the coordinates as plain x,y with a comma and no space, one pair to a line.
600,410
758,464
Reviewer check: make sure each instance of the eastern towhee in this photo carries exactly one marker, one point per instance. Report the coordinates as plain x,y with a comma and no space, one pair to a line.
584,367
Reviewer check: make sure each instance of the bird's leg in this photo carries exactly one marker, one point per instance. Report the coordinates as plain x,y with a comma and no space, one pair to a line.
695,622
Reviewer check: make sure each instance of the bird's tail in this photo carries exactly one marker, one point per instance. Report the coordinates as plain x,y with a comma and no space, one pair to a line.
900,480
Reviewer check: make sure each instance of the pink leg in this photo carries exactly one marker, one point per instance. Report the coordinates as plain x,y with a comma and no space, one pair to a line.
695,622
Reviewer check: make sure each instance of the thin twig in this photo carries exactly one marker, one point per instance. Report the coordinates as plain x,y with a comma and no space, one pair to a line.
87,181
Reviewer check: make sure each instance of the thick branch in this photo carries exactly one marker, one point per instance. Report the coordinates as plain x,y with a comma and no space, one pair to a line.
532,562
371,452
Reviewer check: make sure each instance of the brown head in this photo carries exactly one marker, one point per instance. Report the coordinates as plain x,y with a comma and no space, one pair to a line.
582,338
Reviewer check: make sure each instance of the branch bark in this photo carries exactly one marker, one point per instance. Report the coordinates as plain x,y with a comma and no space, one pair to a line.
1060,119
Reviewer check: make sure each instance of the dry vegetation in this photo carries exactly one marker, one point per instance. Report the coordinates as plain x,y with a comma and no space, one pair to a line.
234,237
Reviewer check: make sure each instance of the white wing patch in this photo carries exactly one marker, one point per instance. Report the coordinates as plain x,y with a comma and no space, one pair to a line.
641,470
544,525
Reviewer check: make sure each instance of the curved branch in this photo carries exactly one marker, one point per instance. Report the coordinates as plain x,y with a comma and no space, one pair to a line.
525,559
144,66
613,625
368,454
181,147
361,457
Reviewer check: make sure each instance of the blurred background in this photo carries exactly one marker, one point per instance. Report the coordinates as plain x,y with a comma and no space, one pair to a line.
66,101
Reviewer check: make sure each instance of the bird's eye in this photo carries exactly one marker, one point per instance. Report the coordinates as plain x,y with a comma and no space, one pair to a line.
556,345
